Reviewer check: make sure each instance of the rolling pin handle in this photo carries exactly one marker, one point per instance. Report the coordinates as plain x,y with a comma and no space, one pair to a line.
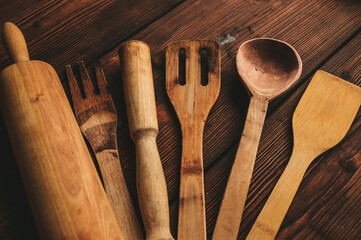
14,42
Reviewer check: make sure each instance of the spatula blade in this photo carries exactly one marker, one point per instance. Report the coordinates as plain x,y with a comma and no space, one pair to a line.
321,120
325,112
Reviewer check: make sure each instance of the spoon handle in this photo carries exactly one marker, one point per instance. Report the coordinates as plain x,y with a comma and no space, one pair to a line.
270,219
235,195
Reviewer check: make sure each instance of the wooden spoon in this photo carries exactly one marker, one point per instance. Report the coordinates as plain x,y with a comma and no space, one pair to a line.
321,120
187,64
268,67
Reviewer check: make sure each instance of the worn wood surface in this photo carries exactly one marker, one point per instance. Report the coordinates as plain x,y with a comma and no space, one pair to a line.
267,68
137,79
326,33
328,103
192,96
97,120
65,193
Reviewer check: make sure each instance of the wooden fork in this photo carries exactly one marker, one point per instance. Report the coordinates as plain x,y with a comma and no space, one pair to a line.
97,118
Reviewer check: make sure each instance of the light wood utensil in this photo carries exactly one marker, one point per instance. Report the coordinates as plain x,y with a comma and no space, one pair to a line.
65,193
136,69
268,67
321,120
97,118
193,84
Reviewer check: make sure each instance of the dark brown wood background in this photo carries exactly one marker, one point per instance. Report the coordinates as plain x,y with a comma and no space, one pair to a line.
326,33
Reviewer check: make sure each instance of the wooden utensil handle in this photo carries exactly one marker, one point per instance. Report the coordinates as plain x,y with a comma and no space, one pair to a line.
14,42
138,86
192,220
152,189
234,198
117,192
137,76
270,219
64,190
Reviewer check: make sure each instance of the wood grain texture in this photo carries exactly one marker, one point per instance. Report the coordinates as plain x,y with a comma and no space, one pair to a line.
225,122
62,185
331,172
235,194
56,33
321,120
224,125
318,29
15,43
268,67
74,27
137,78
192,102
97,119
222,132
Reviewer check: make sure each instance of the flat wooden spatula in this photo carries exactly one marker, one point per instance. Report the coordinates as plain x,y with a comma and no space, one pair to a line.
321,120
193,83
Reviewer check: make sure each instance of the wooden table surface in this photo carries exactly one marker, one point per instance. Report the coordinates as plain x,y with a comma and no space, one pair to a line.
327,35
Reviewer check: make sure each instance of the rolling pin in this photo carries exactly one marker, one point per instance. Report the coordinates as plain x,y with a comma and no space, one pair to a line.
137,77
64,190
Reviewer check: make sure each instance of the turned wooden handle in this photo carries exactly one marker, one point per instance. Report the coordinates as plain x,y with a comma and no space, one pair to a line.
14,43
235,195
270,219
138,86
65,193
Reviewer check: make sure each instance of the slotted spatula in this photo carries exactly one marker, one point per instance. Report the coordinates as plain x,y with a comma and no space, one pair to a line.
193,83
321,120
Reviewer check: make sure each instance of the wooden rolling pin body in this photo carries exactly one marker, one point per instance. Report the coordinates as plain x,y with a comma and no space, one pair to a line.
65,193
138,86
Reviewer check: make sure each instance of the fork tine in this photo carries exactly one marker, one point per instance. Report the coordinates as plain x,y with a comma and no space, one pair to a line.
74,88
102,83
88,86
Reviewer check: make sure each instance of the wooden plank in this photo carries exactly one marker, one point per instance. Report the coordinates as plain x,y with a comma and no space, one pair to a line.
62,32
312,41
241,20
320,121
332,189
329,193
310,26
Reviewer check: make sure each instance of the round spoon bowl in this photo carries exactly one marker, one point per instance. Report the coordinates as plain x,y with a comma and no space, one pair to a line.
268,66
